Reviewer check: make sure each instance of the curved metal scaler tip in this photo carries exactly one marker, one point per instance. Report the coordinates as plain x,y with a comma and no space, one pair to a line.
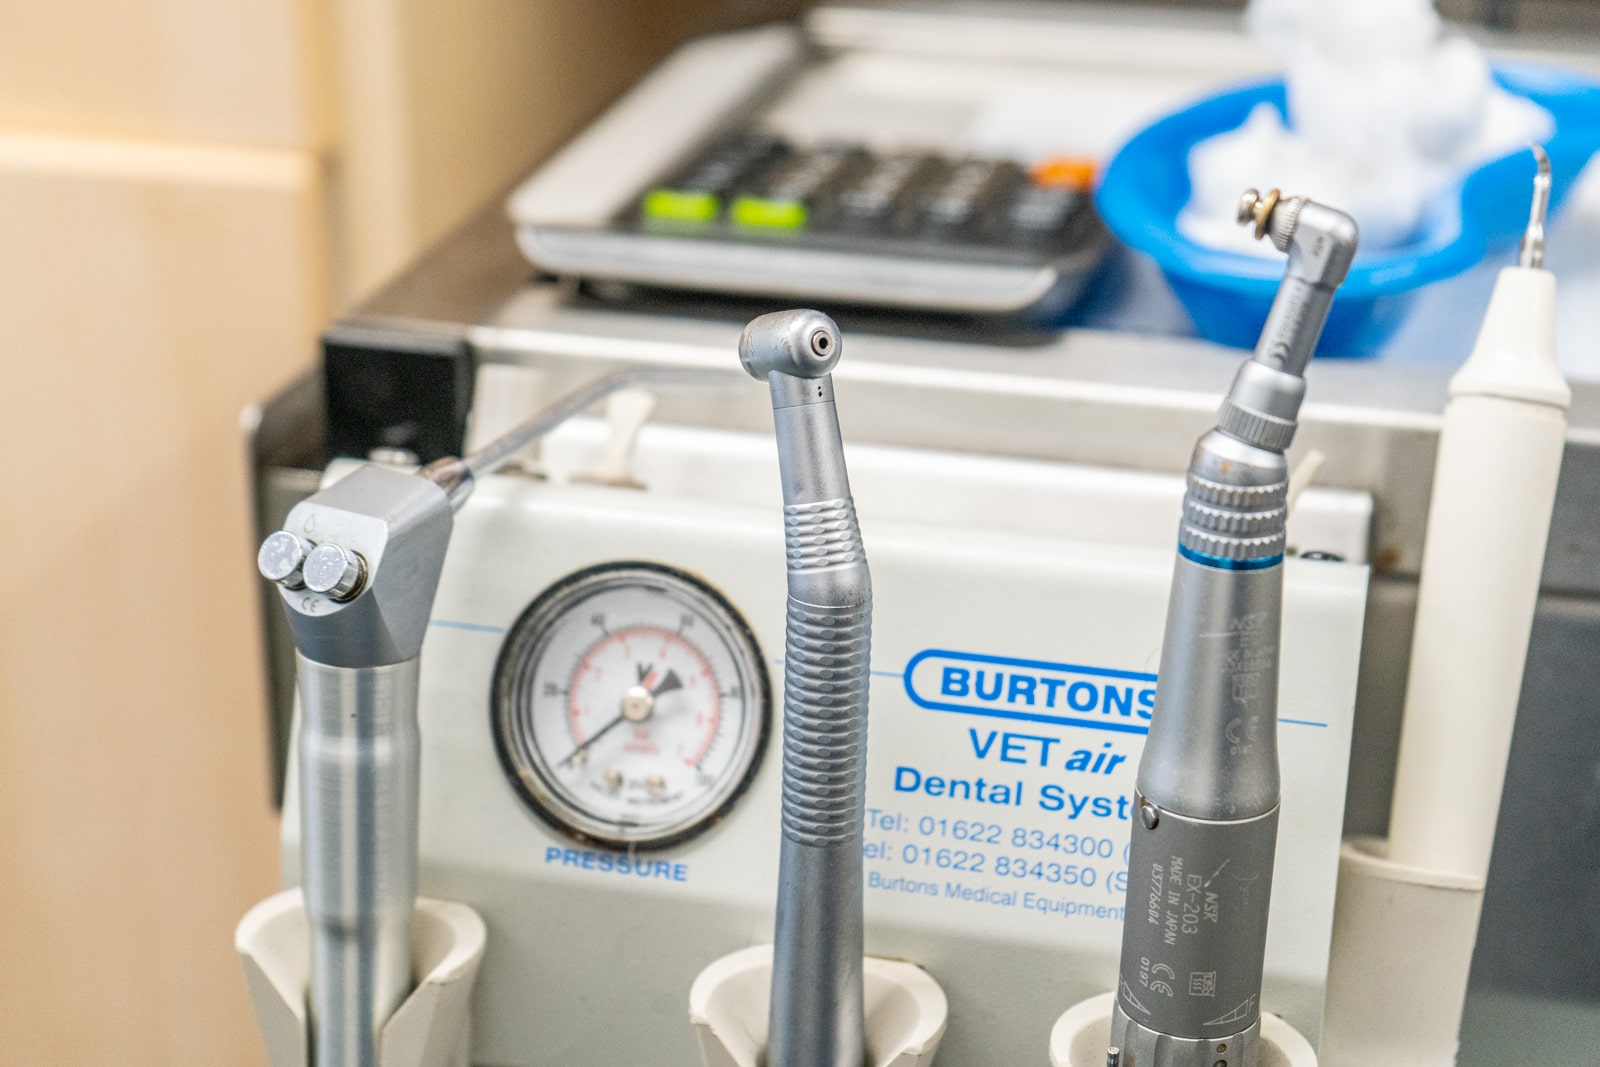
1532,254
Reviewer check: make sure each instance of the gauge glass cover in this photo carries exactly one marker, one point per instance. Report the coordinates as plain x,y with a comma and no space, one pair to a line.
631,706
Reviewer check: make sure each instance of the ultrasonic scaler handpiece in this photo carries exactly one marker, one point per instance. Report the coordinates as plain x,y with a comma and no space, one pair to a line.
817,1011
1201,858
1495,477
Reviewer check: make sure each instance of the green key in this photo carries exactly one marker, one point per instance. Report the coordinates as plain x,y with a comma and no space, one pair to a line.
681,205
760,213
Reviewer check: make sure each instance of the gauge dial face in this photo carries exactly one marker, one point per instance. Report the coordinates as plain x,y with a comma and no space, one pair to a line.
631,705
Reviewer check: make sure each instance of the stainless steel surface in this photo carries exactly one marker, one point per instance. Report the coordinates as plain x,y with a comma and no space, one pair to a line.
358,623
817,1014
508,444
358,752
1200,865
282,559
1532,251
1236,506
1199,880
399,526
1212,750
1151,1048
1264,401
334,572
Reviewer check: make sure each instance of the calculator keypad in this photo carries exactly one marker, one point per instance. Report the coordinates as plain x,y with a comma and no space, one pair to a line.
754,186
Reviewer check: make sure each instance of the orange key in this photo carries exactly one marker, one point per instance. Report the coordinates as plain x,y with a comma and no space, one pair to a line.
1068,172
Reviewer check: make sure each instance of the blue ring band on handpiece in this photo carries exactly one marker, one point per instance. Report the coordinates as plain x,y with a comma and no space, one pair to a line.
1222,563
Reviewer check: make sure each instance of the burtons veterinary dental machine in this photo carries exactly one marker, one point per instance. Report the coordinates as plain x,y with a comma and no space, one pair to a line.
609,747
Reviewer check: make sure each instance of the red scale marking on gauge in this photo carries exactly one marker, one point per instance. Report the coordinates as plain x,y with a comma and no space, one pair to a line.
588,673
711,739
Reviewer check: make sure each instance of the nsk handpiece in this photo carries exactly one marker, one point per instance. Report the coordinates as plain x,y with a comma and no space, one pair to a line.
1206,803
816,1014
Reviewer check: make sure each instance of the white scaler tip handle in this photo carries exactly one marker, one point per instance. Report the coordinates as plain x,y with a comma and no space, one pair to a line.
1515,357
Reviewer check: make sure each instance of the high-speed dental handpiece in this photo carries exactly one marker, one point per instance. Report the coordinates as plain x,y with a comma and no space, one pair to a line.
816,1017
1205,821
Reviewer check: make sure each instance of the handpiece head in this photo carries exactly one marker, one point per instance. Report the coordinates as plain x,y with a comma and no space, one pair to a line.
800,344
1321,241
1264,401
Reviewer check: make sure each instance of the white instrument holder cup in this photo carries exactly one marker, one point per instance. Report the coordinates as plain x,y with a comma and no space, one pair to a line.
1402,950
432,1028
1079,1038
906,1011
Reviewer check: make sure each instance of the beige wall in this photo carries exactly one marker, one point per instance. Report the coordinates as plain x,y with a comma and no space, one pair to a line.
188,190
424,138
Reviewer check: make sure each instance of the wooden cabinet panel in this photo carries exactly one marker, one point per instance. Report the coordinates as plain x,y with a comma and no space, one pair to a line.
147,294
443,104
243,71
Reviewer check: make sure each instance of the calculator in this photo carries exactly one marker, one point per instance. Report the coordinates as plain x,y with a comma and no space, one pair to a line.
740,166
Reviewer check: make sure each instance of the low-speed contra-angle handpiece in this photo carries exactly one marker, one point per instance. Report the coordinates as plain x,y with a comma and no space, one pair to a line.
817,1011
357,566
1206,803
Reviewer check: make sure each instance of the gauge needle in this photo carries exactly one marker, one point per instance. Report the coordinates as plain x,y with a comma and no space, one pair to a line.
633,709
581,749
668,684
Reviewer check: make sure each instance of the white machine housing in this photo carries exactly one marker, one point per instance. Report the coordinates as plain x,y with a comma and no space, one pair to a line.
1016,568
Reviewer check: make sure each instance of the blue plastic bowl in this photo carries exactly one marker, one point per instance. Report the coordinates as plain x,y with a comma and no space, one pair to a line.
1228,294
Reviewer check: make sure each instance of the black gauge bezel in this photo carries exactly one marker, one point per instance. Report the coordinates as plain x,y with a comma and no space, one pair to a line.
522,644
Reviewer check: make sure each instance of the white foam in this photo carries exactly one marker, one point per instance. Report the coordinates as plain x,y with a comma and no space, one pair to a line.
1391,107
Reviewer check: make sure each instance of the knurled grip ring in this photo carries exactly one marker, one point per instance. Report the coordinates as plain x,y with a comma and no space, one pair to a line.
1238,497
1254,427
1222,546
821,534
827,658
1232,522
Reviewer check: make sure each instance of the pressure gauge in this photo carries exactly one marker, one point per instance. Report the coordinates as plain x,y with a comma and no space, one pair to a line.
631,706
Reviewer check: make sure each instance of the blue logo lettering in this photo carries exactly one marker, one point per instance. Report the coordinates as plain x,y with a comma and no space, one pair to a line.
1031,690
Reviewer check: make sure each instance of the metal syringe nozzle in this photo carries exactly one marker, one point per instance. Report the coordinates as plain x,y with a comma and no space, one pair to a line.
1532,252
